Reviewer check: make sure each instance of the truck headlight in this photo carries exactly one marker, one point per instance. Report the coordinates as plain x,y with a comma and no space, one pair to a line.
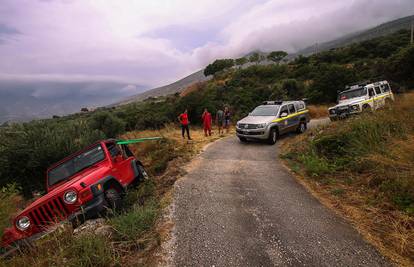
23,223
262,125
355,107
332,111
70,197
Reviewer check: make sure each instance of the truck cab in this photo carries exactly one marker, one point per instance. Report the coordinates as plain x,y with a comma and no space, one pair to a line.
361,97
79,187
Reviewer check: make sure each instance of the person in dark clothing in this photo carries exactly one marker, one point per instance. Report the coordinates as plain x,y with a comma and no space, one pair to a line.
227,119
220,120
183,118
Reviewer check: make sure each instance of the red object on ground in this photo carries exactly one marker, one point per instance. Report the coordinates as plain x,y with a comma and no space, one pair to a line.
184,119
76,189
207,119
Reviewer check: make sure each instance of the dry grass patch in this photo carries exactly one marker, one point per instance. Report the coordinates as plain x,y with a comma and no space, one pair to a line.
364,169
318,111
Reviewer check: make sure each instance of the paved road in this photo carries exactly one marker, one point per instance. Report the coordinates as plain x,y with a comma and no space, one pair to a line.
238,206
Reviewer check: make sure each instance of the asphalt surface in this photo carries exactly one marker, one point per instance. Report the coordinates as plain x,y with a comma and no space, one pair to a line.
238,206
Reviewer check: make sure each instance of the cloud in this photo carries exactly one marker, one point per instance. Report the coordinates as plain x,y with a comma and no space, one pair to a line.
152,43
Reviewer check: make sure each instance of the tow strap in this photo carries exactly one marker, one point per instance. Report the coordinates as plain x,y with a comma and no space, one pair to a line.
139,140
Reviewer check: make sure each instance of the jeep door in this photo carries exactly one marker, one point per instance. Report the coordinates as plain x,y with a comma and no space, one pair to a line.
122,166
283,124
371,94
293,122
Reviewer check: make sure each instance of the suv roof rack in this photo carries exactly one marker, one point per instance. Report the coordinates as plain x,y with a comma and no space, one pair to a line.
276,102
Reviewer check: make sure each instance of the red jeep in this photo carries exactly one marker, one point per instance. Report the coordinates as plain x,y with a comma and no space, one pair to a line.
79,187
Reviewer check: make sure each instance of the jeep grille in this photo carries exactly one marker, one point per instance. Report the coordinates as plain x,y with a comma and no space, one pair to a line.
50,212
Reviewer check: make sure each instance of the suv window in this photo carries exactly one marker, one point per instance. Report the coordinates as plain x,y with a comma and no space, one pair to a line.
283,109
291,109
371,92
377,90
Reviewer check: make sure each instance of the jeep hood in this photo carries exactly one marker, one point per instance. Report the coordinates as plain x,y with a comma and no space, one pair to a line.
257,119
98,172
351,101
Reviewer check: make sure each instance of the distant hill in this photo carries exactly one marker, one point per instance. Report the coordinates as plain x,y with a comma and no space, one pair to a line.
169,89
381,30
179,86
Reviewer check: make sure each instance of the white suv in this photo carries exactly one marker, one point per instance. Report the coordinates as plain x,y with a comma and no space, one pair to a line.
361,97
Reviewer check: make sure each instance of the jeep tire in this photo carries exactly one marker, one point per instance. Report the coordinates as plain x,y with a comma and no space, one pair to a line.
242,139
273,135
301,127
113,199
142,172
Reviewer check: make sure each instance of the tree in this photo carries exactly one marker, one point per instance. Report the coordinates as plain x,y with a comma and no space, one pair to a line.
108,123
254,58
218,65
328,80
277,56
241,61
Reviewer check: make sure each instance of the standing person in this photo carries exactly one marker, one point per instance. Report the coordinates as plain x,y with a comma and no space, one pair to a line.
227,119
207,119
183,118
220,120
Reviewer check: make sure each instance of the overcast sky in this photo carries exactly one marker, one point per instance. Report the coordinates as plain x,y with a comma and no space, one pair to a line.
151,43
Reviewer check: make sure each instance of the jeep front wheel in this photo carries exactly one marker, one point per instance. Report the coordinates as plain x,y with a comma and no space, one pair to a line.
242,139
113,200
143,173
272,136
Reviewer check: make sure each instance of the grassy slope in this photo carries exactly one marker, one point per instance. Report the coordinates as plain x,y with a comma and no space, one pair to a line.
135,235
363,168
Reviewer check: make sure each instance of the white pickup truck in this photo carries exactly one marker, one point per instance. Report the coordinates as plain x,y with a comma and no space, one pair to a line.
361,97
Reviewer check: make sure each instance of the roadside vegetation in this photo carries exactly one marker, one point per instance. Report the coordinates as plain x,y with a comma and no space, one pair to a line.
364,168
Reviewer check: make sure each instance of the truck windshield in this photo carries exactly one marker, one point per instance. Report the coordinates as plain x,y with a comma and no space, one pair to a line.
76,164
270,110
353,93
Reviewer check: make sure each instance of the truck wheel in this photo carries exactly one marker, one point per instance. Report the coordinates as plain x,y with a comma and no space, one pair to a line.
366,108
242,139
113,200
273,135
302,127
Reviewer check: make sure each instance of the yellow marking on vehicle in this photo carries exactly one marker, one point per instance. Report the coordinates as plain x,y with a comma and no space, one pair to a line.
375,98
291,115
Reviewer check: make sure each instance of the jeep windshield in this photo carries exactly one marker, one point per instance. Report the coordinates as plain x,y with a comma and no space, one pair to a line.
75,165
353,93
270,110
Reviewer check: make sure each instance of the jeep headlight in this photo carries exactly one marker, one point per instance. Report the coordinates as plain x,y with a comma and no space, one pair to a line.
70,197
261,125
332,111
23,223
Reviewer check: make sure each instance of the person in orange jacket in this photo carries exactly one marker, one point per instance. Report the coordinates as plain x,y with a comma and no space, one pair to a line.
207,121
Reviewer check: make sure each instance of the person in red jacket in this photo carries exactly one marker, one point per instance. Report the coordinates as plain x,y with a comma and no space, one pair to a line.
207,121
183,118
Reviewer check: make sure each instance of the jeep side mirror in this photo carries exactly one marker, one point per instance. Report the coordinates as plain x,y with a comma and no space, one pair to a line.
118,158
284,114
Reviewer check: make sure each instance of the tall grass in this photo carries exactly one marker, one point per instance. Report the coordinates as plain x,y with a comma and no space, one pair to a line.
369,159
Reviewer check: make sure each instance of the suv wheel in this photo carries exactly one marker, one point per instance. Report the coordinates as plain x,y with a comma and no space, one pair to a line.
302,127
272,136
242,139
113,199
